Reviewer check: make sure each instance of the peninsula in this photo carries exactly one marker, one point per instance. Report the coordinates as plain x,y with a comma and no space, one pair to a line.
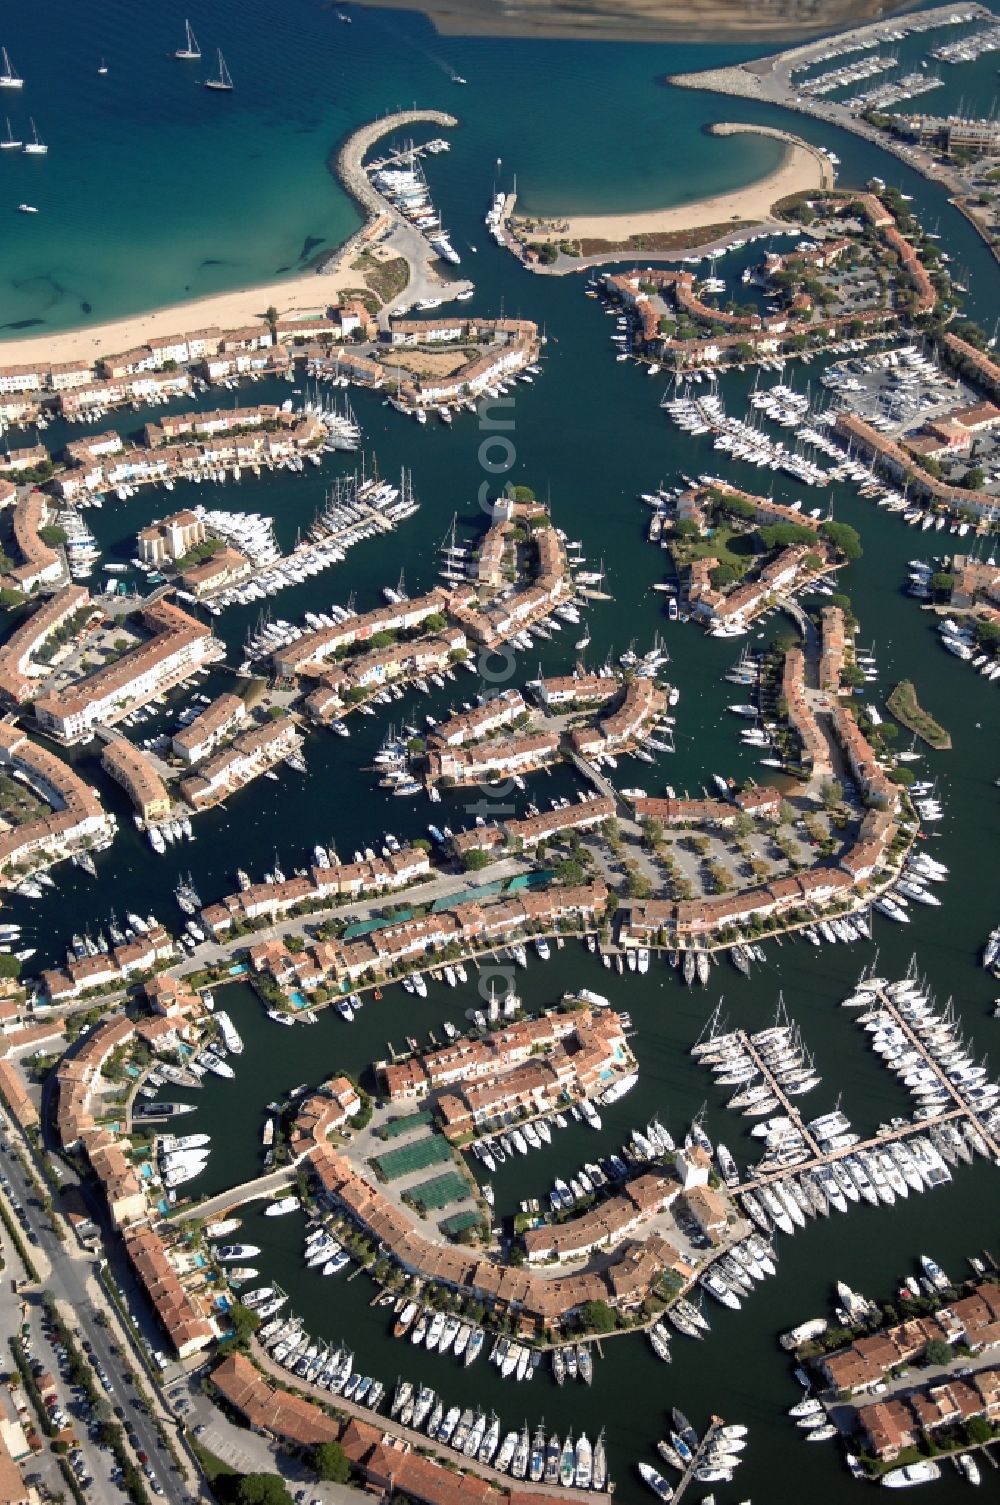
643,20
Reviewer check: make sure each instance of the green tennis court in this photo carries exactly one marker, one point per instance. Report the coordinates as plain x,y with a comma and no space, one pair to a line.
411,1157
438,1192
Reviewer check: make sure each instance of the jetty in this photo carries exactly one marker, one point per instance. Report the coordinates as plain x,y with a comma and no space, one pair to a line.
697,1457
778,1091
349,161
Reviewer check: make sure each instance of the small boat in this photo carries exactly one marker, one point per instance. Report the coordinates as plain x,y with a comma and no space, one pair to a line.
656,1481
282,1207
190,51
923,1472
34,147
567,1463
8,78
222,83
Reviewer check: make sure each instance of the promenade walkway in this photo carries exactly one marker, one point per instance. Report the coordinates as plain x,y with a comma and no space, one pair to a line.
415,1440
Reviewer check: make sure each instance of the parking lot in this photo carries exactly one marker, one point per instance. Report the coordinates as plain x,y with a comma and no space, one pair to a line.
897,390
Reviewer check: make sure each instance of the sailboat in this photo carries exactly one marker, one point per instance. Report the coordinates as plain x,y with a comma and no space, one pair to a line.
8,143
34,147
223,82
190,51
8,78
103,67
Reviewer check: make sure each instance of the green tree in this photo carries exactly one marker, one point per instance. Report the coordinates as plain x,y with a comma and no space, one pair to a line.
262,1489
938,1352
598,1317
941,583
244,1323
780,535
331,1463
974,478
724,574
52,535
978,1429
9,966
845,539
476,860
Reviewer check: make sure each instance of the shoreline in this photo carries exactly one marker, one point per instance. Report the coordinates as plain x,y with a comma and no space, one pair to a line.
802,169
768,80
307,292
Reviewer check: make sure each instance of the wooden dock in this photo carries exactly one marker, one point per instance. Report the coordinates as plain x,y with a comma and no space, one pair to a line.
696,1461
960,1110
777,1091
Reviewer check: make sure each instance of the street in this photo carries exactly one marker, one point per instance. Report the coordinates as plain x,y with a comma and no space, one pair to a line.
72,1280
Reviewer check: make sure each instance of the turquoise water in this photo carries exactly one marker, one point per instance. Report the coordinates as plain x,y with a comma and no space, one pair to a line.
204,191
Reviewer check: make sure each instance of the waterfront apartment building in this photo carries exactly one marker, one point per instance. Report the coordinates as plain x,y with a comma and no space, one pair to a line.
171,538
110,392
468,330
493,758
641,703
138,775
577,689
177,646
40,564
833,652
950,133
24,378
523,1076
20,666
309,651
202,735
893,460
202,425
226,567
469,1058
251,754
605,1224
76,815
467,726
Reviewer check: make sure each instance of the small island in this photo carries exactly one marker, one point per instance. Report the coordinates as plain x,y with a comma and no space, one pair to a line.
906,708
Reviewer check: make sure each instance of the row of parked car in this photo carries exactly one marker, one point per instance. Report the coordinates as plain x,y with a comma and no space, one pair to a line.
56,1412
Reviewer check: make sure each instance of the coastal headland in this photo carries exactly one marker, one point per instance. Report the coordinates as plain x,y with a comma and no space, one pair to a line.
291,297
643,20
803,169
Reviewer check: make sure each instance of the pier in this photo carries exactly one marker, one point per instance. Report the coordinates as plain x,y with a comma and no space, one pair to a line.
351,156
874,1143
696,1461
961,1109
777,1091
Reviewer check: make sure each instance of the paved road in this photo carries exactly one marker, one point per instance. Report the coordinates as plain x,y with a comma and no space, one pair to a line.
213,952
72,1279
44,1470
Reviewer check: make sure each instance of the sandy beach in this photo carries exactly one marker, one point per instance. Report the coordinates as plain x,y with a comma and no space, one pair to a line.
802,170
296,295
312,292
